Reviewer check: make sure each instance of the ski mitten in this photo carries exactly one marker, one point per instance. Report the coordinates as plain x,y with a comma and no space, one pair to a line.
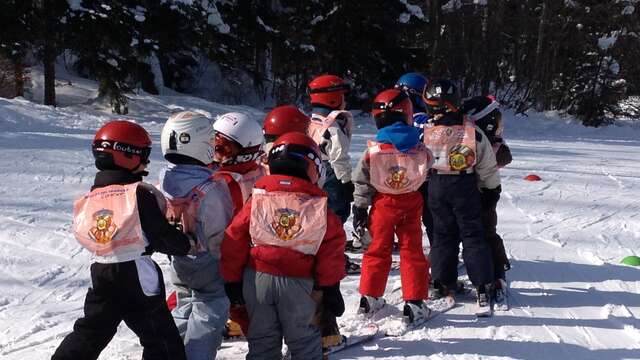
234,293
332,299
503,155
348,188
360,219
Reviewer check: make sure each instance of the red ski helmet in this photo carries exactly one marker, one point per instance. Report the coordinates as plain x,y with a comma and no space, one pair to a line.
121,144
295,154
391,106
328,90
284,119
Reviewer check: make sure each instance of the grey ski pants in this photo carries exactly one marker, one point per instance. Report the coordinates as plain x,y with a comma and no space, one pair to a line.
280,307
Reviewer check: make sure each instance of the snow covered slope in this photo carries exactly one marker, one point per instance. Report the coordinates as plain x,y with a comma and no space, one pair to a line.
565,235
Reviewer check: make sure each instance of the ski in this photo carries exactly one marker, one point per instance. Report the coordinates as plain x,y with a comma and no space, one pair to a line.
366,333
437,307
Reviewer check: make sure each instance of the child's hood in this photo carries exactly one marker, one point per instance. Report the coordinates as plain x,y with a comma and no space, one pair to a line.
404,137
179,180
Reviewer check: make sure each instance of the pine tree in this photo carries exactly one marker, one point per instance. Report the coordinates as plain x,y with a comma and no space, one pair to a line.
104,37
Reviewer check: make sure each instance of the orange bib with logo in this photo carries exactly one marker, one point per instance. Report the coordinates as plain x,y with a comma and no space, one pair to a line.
297,221
395,172
454,147
106,222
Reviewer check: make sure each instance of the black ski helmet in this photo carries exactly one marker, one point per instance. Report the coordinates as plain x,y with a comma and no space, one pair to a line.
485,111
441,96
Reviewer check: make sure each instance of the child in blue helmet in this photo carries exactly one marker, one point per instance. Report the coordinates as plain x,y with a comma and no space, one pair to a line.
414,84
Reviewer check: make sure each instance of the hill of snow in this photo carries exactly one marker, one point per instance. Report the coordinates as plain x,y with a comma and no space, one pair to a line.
565,236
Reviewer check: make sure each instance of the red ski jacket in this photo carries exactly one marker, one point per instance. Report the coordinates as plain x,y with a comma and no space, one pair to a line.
327,267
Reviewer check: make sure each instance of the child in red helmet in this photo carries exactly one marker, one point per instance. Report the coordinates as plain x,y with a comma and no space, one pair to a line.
121,222
284,243
388,177
281,120
331,128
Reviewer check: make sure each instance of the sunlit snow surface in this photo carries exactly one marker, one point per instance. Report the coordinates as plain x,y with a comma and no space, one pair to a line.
566,235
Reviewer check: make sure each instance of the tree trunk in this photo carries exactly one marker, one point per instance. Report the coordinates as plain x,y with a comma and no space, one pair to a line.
540,66
434,6
49,54
49,61
19,77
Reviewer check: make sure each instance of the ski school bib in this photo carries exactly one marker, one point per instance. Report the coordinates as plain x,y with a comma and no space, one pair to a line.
244,181
320,124
454,147
296,221
395,172
106,222
183,211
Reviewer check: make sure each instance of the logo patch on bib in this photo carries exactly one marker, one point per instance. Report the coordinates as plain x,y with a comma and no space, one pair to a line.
397,177
104,228
286,224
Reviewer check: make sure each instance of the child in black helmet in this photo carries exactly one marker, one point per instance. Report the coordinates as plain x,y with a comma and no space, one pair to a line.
486,113
464,163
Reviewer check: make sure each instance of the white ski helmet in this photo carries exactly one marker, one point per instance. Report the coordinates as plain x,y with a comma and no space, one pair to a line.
244,131
190,134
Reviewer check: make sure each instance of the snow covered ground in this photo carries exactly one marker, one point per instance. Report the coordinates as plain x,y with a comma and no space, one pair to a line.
565,236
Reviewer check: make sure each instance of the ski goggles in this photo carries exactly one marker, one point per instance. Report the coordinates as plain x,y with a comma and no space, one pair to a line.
127,149
343,87
436,103
225,147
390,117
385,106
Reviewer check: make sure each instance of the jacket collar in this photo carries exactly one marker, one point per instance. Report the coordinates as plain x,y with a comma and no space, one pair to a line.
288,184
114,177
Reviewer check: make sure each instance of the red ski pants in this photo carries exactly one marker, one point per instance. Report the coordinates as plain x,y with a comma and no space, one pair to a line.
399,215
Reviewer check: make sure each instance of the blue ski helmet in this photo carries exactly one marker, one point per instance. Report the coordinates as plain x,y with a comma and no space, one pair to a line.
414,84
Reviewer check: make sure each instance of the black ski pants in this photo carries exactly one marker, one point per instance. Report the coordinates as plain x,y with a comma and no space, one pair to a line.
490,221
457,216
116,295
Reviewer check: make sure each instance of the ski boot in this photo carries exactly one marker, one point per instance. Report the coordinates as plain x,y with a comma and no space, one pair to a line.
441,291
415,312
483,308
351,267
369,305
499,295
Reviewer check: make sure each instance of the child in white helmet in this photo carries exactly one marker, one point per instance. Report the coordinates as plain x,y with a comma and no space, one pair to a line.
237,150
201,206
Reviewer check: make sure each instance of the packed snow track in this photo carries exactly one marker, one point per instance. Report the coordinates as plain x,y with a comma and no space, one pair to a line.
566,234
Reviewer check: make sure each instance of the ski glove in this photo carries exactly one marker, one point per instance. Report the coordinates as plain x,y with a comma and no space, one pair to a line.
360,220
503,155
234,293
347,190
332,299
